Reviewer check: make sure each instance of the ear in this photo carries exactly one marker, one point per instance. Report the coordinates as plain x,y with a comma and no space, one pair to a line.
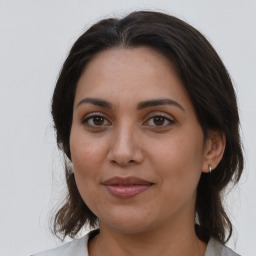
214,149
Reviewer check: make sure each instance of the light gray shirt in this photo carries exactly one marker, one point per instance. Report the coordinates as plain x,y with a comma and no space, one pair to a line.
79,247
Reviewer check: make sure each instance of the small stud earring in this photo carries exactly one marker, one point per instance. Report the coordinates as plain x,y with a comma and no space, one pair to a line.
210,168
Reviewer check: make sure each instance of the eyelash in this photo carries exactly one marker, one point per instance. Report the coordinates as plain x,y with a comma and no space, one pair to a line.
91,117
95,115
166,119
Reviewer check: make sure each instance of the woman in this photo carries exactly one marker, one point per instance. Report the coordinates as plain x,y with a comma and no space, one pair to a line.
146,114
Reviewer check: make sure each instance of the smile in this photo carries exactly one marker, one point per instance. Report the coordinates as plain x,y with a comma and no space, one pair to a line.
126,187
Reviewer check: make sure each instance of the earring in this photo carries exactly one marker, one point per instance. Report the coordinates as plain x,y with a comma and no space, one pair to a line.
210,168
69,167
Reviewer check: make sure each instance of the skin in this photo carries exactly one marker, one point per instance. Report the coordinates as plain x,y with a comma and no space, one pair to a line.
169,151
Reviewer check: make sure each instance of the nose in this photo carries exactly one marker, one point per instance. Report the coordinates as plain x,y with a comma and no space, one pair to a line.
125,148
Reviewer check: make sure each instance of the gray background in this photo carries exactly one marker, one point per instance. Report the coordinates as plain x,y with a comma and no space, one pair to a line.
35,37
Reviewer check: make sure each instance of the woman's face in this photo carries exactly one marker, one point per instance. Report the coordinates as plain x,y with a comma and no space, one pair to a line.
136,145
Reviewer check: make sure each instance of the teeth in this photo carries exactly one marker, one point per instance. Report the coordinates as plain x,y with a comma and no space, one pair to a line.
127,185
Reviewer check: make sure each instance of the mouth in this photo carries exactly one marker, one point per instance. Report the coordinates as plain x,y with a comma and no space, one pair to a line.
126,187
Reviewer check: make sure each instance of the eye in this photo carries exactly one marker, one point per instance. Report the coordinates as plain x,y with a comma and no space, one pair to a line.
96,120
159,121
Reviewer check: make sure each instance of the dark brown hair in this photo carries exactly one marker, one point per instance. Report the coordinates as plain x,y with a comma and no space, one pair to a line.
209,87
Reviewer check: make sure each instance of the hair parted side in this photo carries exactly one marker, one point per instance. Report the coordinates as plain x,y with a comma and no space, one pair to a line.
208,85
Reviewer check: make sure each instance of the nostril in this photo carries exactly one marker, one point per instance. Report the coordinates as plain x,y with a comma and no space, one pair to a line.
123,162
124,153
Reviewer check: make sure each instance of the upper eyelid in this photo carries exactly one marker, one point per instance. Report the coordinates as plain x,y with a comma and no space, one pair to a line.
160,113
92,114
146,117
85,121
170,120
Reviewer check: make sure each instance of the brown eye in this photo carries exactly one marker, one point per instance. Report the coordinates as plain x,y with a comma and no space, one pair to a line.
159,120
95,121
98,120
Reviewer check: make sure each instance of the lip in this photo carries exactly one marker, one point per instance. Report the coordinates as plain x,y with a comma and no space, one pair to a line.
126,187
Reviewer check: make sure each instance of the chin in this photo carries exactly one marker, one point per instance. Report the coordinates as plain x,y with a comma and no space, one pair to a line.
127,222
128,228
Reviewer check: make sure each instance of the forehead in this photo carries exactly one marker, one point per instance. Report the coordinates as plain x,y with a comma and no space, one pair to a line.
129,58
135,73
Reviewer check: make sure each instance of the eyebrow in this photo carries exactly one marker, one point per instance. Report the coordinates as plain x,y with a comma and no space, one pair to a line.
158,102
141,105
96,101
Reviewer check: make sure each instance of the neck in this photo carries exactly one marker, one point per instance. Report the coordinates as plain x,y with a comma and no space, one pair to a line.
171,241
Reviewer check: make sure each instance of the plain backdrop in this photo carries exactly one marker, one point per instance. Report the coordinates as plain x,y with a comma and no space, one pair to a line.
35,37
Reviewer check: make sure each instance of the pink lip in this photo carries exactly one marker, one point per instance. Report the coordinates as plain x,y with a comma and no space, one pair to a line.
126,187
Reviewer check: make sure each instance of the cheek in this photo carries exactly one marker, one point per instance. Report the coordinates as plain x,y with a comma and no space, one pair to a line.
179,163
87,157
87,152
86,171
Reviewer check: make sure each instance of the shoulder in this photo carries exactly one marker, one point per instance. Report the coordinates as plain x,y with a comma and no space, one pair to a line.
77,247
215,248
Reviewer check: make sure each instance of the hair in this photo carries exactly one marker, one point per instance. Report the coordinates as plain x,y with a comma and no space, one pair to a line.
209,87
